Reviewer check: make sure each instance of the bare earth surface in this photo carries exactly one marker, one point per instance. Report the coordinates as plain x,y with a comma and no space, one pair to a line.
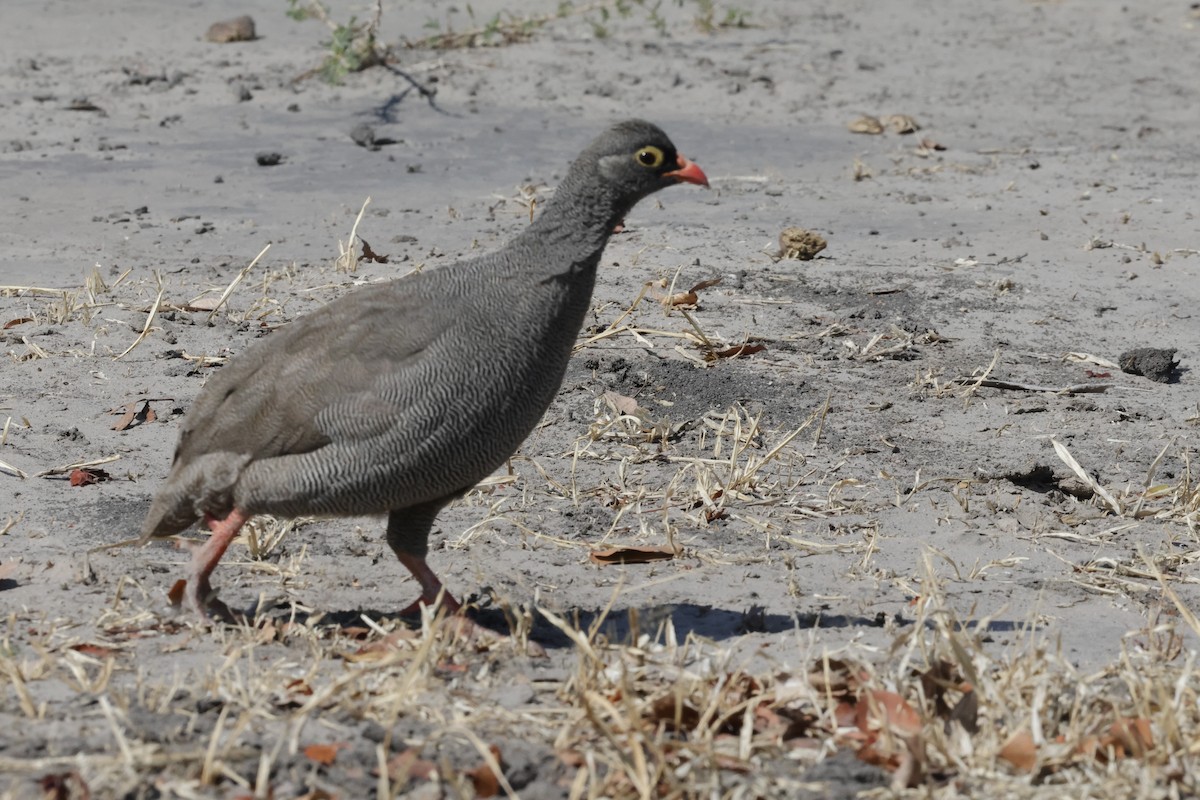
832,494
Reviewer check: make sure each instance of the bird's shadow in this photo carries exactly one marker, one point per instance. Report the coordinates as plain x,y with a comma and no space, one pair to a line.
627,625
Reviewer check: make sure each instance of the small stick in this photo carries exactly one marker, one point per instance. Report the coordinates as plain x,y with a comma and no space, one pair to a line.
9,469
32,290
348,260
233,284
80,465
1078,388
149,317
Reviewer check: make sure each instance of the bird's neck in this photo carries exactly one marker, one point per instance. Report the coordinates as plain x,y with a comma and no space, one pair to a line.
579,219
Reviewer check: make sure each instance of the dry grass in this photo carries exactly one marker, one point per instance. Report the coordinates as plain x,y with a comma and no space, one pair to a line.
295,705
939,712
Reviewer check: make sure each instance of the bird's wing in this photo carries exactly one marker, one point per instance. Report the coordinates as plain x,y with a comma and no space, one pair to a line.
275,398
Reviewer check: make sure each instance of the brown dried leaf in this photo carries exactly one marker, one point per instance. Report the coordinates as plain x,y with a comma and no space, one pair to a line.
632,554
483,778
382,648
623,404
94,650
1133,734
64,786
88,476
744,349
12,323
866,124
371,255
203,304
134,415
324,754
682,299
674,712
1125,738
1020,751
878,709
708,284
408,765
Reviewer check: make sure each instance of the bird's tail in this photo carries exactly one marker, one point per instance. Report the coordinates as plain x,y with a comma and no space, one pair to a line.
202,486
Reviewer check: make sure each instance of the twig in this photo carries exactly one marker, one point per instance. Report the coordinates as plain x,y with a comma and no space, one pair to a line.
9,469
992,383
347,261
149,317
233,284
79,465
1069,460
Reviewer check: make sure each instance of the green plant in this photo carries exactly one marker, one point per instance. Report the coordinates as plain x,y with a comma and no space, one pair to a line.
352,46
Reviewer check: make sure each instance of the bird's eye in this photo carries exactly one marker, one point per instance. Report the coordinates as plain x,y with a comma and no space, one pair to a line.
650,156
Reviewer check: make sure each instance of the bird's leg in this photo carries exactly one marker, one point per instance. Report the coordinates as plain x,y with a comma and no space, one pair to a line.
431,587
408,536
196,592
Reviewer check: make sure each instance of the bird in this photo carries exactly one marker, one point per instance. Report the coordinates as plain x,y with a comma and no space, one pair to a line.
399,397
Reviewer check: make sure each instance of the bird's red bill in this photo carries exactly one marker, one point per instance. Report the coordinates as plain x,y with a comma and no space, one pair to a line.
689,172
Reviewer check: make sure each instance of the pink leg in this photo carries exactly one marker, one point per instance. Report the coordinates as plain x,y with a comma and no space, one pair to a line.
431,587
196,592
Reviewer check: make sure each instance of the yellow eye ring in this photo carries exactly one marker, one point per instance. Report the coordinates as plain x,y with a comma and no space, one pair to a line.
650,157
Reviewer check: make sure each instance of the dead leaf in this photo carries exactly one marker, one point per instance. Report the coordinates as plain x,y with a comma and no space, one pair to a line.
1020,751
735,351
64,786
483,778
878,709
632,554
12,323
134,415
175,593
202,304
625,405
866,124
371,255
94,650
901,123
1133,734
682,299
408,765
324,754
674,712
380,649
88,476
708,284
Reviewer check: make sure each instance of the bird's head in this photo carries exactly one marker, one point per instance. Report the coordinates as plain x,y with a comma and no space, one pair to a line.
636,158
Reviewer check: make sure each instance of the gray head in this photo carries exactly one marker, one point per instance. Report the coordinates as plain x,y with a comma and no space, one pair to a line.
626,163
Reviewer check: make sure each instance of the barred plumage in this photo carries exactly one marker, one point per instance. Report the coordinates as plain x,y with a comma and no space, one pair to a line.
400,397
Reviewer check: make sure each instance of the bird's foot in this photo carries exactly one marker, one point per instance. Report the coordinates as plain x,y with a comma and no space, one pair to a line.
198,597
443,601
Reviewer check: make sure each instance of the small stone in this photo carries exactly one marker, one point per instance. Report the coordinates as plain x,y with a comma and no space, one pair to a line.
239,29
1151,362
799,244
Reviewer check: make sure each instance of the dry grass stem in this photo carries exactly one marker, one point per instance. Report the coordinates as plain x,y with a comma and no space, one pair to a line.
237,279
149,317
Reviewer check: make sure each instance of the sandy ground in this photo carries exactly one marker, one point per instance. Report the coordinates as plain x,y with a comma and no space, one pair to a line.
1041,223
